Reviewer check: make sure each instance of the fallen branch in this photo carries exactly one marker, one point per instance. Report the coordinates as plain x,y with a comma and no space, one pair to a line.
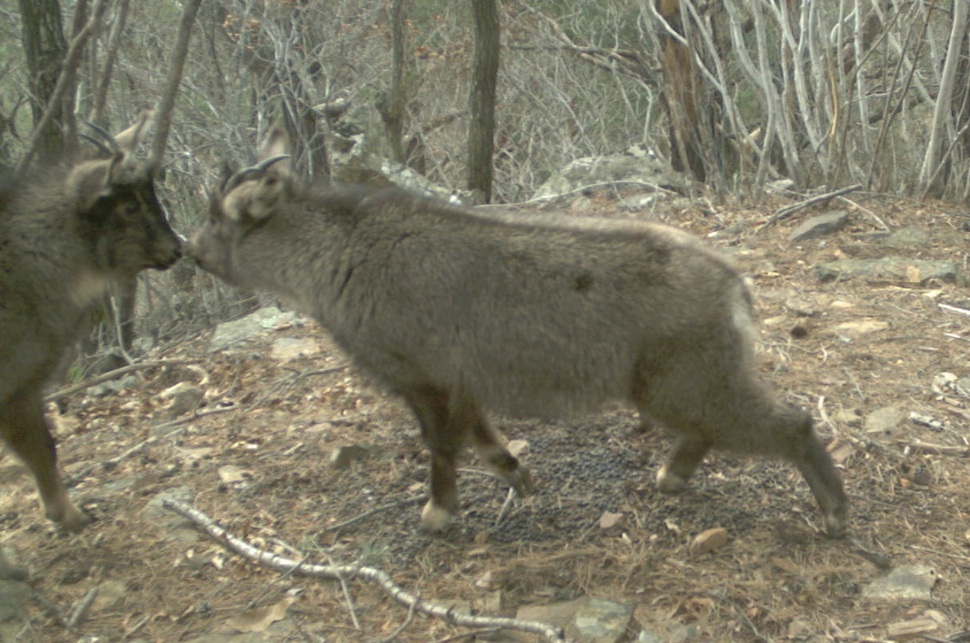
954,309
391,505
115,374
784,213
115,461
918,446
82,608
336,572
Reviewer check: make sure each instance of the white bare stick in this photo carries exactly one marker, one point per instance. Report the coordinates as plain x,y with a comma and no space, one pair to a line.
381,578
115,374
954,309
784,213
82,608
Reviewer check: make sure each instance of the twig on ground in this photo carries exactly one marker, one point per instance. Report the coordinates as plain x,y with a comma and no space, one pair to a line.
739,611
115,374
50,609
82,608
869,213
506,506
954,309
346,591
115,461
381,578
403,626
287,382
879,559
371,512
232,406
324,371
468,635
784,213
918,446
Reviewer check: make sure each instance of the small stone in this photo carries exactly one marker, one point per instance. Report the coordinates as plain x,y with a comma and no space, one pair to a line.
110,594
799,629
290,348
519,448
860,327
906,630
185,398
232,475
707,541
612,521
885,422
907,237
903,583
342,457
847,417
819,226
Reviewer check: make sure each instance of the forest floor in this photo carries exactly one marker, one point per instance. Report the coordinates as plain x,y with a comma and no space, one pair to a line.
256,456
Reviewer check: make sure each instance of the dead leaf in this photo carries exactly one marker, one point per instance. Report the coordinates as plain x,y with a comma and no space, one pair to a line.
708,541
258,620
231,474
840,451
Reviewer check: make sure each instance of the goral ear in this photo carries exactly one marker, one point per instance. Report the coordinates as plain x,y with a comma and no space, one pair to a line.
277,144
131,138
91,180
253,200
254,193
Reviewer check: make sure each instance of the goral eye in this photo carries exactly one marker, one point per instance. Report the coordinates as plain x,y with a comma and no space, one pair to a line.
132,207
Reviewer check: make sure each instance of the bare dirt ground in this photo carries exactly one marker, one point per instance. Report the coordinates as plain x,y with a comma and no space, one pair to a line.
261,468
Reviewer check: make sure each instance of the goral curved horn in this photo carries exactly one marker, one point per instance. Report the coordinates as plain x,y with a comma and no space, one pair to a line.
252,171
98,144
108,143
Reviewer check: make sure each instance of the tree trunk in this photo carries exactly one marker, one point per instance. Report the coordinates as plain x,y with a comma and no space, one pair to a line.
680,94
163,115
932,178
481,130
44,49
391,107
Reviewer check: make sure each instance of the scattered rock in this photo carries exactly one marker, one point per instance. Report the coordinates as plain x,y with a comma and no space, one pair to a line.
906,238
800,307
640,202
14,597
260,619
916,628
585,620
602,621
613,168
799,629
860,327
183,398
904,582
342,457
884,423
251,325
110,595
707,541
847,417
948,384
893,269
234,476
819,226
286,349
112,387
612,521
518,448
172,525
